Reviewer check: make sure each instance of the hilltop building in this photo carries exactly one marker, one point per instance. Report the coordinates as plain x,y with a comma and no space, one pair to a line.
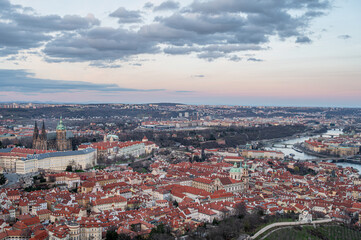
60,140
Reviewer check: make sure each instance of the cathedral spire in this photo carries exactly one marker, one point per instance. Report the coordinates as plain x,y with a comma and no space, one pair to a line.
43,132
36,131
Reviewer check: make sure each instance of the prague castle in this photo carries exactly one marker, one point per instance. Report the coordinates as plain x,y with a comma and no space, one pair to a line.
60,141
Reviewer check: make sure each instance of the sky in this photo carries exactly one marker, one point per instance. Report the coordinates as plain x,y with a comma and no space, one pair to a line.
228,52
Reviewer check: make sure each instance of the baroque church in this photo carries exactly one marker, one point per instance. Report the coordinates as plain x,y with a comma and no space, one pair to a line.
60,140
238,181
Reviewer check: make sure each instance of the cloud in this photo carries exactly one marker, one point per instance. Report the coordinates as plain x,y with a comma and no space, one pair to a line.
344,37
216,6
208,29
234,58
198,76
21,28
184,91
167,5
303,39
210,56
24,82
104,65
52,23
100,43
254,60
125,16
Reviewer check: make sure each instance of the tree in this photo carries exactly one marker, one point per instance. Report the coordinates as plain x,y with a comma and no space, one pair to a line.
111,235
161,232
69,168
241,209
123,236
2,179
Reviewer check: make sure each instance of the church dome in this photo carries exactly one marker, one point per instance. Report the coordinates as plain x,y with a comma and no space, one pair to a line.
60,125
235,169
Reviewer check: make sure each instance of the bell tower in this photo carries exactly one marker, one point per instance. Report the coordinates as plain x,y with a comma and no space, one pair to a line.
245,175
61,141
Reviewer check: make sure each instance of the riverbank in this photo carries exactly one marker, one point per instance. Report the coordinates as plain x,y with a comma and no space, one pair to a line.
270,142
300,153
302,148
294,149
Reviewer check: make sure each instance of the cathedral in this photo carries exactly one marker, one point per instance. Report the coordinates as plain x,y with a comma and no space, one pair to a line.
60,141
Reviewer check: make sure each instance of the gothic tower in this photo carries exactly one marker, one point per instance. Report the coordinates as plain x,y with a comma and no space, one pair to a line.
35,134
40,140
43,138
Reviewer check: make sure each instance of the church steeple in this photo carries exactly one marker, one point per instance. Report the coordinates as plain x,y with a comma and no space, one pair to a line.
40,138
43,132
62,143
36,131
60,124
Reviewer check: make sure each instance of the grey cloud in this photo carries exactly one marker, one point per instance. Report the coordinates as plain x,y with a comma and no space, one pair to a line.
204,24
214,51
211,56
167,5
163,34
261,6
104,65
99,44
234,58
180,50
13,37
24,82
344,36
198,76
303,39
22,29
53,23
184,91
313,14
254,60
125,16
209,28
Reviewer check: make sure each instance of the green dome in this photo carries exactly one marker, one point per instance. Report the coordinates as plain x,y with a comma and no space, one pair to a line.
235,168
60,125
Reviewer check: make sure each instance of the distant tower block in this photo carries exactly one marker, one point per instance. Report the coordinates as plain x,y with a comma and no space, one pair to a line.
186,114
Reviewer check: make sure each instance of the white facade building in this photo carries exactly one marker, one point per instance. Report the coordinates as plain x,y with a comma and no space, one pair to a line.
57,161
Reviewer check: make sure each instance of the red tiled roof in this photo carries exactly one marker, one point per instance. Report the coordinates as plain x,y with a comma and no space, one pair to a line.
109,200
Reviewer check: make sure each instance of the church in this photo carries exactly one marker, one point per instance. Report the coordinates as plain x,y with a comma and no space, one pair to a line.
60,140
238,181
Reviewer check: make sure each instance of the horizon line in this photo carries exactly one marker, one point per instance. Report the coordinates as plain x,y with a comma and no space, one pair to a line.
190,104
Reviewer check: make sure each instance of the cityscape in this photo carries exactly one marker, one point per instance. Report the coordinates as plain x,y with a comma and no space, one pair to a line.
180,120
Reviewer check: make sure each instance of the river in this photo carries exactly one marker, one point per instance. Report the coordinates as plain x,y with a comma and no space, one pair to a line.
302,156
